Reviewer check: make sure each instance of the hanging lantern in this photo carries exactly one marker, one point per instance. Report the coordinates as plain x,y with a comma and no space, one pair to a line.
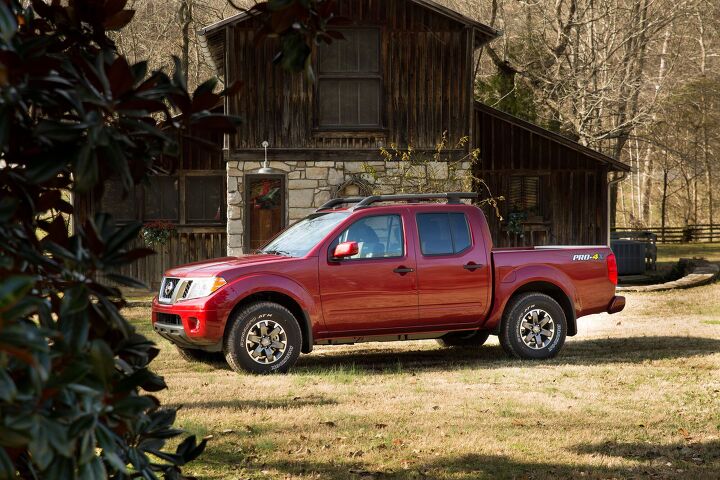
266,168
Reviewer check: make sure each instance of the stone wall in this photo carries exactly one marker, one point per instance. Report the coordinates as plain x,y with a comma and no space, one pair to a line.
309,185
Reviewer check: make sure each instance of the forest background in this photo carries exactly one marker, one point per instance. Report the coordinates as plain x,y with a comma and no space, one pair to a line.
638,80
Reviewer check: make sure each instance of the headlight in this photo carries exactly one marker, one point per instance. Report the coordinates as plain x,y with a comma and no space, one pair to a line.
202,287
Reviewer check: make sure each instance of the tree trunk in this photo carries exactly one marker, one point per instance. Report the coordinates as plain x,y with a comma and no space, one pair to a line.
185,15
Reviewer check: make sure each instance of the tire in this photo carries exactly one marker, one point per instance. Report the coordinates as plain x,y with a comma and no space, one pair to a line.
250,331
192,355
531,310
474,338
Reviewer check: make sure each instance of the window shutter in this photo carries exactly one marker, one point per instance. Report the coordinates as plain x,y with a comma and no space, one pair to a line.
531,192
524,193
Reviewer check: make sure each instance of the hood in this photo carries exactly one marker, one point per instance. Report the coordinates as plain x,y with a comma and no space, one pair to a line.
217,266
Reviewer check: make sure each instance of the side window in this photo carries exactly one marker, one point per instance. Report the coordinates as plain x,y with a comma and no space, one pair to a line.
205,199
161,199
377,237
122,207
443,233
350,80
460,232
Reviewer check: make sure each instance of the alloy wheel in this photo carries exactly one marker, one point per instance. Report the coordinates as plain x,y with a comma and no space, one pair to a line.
266,342
537,329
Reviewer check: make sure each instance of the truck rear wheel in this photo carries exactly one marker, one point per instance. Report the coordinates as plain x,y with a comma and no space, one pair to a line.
533,327
475,338
263,338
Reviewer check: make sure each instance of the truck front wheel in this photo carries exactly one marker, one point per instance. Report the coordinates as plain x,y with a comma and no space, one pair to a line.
264,338
474,338
533,327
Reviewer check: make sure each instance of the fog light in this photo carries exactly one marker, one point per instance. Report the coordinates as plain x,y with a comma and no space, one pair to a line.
194,324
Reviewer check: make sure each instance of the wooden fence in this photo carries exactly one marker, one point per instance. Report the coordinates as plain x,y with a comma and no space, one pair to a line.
187,246
687,234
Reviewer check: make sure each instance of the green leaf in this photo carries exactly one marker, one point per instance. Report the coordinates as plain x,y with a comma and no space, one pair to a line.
86,169
40,449
13,288
8,390
115,461
126,281
7,469
102,360
8,205
8,24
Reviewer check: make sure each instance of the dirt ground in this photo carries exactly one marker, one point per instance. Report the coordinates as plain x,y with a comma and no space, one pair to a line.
634,395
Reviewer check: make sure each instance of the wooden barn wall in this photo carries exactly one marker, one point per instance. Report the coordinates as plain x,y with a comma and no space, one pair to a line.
573,187
188,246
426,66
204,153
192,243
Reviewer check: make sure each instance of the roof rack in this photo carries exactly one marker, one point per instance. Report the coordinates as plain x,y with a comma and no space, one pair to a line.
363,202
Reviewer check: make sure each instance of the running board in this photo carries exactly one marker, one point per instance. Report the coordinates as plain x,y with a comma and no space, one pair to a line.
379,338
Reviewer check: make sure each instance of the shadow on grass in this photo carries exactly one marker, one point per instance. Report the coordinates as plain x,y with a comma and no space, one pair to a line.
580,352
701,454
270,404
698,461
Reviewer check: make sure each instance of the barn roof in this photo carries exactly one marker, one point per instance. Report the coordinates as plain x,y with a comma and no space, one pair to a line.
212,37
615,165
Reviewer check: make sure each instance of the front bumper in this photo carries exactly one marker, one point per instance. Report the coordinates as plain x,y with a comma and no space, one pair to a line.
189,325
617,304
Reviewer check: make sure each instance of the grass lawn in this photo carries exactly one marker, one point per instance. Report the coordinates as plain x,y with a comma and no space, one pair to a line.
673,252
634,395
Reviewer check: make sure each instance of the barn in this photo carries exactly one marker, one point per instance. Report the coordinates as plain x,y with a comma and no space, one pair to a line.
402,76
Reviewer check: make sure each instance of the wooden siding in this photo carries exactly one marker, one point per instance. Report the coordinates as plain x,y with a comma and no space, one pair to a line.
188,246
573,187
193,242
204,154
426,63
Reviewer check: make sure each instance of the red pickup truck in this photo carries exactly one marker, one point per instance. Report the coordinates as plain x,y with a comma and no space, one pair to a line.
383,268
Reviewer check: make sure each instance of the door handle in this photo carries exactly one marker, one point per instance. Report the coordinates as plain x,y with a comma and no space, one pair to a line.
403,270
473,266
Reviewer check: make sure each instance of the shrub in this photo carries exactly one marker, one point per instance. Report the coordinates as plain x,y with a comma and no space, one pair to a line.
75,384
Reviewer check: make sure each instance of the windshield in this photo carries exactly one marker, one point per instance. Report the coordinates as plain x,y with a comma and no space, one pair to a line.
299,239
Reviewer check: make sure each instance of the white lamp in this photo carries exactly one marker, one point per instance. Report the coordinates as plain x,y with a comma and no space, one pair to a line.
266,169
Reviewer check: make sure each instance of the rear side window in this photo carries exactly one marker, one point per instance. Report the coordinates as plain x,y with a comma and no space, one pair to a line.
443,233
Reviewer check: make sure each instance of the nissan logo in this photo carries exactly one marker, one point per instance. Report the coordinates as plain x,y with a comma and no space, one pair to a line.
169,286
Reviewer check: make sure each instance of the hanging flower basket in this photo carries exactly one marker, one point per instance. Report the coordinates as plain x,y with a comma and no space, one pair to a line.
156,234
515,223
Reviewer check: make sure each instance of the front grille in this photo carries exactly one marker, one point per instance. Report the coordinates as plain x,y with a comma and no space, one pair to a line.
169,319
168,288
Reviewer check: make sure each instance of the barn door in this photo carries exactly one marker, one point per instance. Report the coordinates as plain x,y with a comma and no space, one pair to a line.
264,209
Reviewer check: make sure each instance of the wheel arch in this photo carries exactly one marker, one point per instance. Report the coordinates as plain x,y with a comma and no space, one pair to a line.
285,300
554,292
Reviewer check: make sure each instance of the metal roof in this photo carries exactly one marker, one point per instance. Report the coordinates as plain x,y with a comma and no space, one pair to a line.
614,164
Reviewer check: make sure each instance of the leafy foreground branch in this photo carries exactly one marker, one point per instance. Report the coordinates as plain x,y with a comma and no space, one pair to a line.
75,384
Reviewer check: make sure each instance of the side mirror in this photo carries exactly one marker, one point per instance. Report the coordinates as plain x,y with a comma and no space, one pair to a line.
345,250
